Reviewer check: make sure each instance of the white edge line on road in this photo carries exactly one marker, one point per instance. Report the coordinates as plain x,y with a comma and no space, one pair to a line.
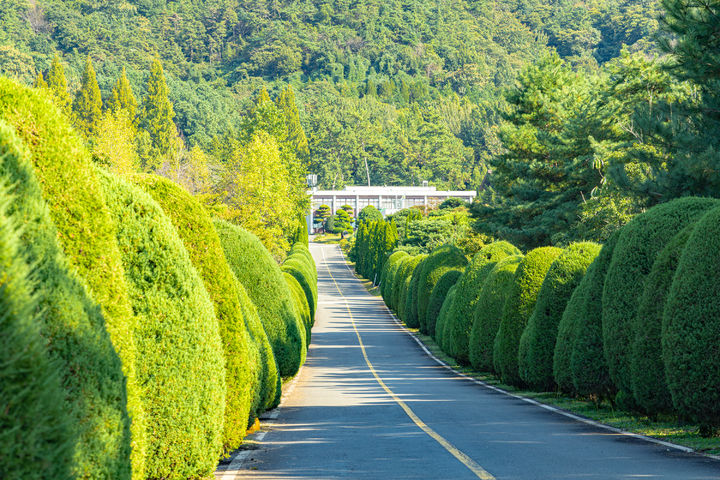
550,408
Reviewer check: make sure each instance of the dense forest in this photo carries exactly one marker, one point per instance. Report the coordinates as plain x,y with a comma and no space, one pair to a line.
583,113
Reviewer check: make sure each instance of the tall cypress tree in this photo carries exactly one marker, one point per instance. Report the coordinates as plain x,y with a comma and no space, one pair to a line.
87,107
58,83
157,116
40,81
295,133
122,97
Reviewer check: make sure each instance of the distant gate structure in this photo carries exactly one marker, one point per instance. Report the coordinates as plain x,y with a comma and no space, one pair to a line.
386,199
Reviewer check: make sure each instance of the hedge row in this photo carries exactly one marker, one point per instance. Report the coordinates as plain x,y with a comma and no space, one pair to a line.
130,347
635,321
374,241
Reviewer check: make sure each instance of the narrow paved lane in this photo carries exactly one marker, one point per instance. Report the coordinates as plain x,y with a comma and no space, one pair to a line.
423,422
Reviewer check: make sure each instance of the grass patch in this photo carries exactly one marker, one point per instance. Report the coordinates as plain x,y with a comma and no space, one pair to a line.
326,238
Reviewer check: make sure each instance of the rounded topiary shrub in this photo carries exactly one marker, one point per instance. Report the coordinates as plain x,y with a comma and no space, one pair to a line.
387,278
411,317
262,278
518,308
297,266
638,245
588,367
647,370
302,251
180,361
691,327
267,394
462,311
565,339
86,234
198,235
74,325
442,316
489,311
302,308
440,260
437,298
37,432
402,282
537,344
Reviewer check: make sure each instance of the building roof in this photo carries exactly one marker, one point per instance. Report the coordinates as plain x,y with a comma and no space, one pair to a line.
394,191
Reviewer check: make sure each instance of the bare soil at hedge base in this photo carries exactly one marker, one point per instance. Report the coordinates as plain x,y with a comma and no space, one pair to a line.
667,429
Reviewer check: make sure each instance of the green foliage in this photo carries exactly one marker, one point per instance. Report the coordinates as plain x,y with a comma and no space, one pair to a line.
57,82
180,361
442,259
442,317
369,214
330,225
412,318
462,312
40,427
538,340
343,222
588,367
690,327
157,116
302,308
646,363
389,273
87,107
122,97
403,281
489,311
195,228
437,299
86,234
262,278
519,306
298,265
451,203
639,243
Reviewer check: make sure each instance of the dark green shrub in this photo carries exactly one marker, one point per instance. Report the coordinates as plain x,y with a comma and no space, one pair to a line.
411,318
691,327
86,234
444,310
489,311
519,306
369,214
588,367
403,282
566,334
639,243
437,298
180,361
298,267
462,311
388,275
302,309
647,370
37,432
404,272
537,343
198,235
302,250
442,259
262,278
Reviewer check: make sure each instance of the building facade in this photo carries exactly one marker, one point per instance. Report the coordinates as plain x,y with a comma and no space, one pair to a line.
386,199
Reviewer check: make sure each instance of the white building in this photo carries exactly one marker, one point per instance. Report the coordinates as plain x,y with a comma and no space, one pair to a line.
386,199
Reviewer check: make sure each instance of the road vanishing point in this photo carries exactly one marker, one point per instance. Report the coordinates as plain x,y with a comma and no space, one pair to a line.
371,404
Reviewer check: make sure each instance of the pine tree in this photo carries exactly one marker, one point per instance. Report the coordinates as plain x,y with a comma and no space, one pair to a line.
58,83
87,107
295,133
157,117
122,97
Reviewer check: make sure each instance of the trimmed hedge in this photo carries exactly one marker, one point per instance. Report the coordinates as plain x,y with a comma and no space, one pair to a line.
518,308
639,243
437,299
442,316
411,317
297,266
86,234
37,432
691,327
462,311
302,308
440,260
389,273
588,367
262,278
489,311
401,282
198,235
180,361
537,343
647,370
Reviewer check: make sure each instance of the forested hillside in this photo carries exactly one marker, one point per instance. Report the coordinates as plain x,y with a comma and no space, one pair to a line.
413,88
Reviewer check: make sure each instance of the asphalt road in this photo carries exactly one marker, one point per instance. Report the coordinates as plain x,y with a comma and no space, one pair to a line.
385,410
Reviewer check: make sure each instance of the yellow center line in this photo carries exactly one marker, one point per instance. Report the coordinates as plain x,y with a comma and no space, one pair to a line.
464,459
